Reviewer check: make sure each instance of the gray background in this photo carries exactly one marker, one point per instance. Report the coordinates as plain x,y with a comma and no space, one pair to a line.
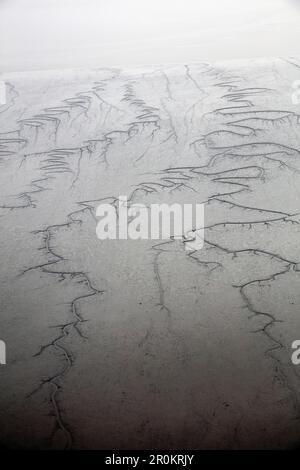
51,34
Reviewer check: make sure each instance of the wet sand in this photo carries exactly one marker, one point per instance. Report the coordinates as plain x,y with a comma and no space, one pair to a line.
123,344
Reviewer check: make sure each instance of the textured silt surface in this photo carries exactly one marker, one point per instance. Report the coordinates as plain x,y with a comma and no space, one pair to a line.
143,344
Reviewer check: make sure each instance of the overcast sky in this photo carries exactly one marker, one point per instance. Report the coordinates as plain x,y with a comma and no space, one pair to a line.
39,34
